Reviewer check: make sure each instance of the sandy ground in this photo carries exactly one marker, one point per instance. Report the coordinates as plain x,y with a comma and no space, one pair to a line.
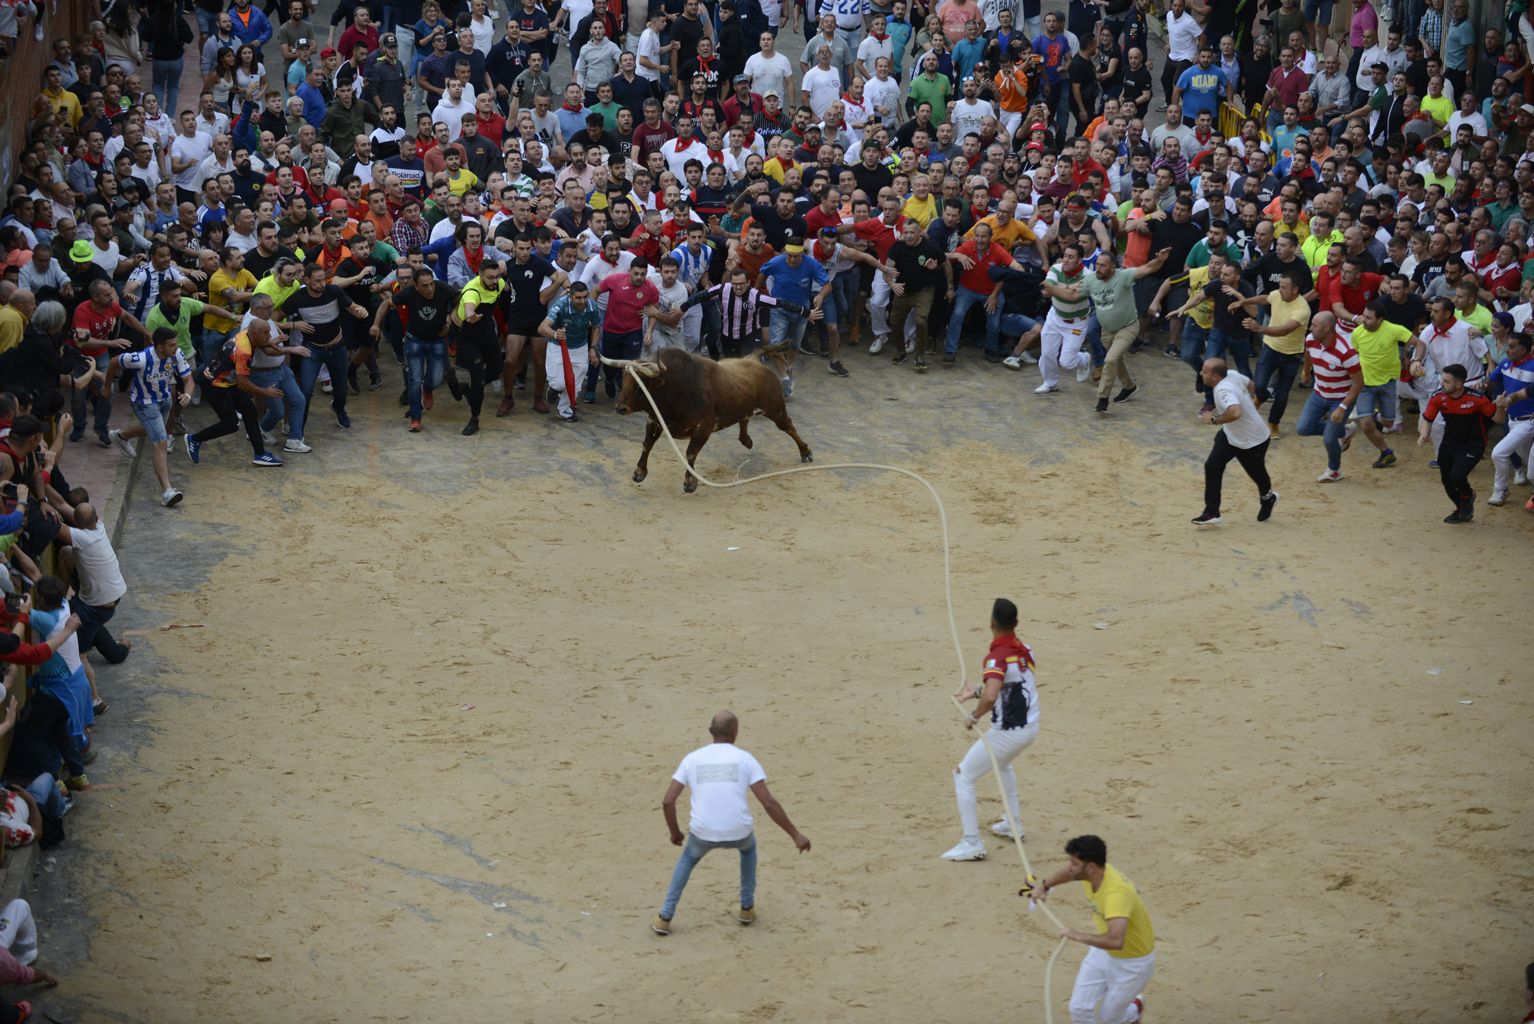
411,766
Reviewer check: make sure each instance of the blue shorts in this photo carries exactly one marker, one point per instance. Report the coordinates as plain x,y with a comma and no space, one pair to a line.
152,419
1378,399
1318,11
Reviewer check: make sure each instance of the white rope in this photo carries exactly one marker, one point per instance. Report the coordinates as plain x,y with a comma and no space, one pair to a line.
953,630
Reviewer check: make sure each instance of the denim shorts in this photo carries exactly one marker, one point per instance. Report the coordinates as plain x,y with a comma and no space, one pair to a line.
152,418
1319,11
1376,399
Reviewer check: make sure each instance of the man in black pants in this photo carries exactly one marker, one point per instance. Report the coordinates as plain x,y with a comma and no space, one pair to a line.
1464,437
478,338
227,385
1243,436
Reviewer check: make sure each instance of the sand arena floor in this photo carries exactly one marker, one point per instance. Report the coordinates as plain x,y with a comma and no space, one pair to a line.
410,768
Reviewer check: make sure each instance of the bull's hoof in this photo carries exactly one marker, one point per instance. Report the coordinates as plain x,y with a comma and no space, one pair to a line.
639,475
689,486
806,457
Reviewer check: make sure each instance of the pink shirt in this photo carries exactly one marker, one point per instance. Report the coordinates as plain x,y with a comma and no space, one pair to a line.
625,302
1364,18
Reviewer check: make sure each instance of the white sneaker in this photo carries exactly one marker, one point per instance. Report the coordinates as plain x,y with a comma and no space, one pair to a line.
1028,360
1045,389
268,437
1001,828
1521,477
1012,363
296,444
1497,498
1084,371
123,444
171,497
968,849
876,346
1329,476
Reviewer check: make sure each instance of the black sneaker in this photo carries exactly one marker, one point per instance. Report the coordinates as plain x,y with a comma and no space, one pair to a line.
1207,519
1265,506
825,350
1136,345
901,357
921,365
838,369
1127,393
993,357
375,382
351,381
471,428
949,358
454,388
1459,515
1102,405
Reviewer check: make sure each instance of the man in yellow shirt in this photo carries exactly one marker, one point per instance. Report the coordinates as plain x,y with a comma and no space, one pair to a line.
1323,235
16,308
1122,950
59,98
1009,232
1283,344
921,206
231,286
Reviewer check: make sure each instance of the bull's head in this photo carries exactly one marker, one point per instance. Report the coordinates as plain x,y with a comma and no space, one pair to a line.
630,398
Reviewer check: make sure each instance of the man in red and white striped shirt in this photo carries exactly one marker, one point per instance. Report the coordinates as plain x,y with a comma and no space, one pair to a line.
1333,362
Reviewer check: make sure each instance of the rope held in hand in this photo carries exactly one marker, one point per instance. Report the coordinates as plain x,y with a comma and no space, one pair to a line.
953,629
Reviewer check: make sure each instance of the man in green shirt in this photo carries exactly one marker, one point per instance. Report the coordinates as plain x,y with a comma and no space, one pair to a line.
1378,343
1218,240
931,87
1112,292
176,312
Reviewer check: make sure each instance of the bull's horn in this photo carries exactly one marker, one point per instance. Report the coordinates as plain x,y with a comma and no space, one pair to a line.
651,370
616,364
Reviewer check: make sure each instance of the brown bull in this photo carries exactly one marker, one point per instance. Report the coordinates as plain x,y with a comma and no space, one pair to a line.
699,396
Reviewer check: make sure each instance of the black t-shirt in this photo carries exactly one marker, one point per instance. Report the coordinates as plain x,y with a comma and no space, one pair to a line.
260,265
1137,83
1270,268
427,318
508,229
872,179
1106,54
779,229
323,312
1410,314
1426,273
524,280
946,238
686,32
361,293
918,266
1180,238
1224,319
1084,74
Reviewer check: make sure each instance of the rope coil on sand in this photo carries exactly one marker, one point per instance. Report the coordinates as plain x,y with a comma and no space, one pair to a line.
953,626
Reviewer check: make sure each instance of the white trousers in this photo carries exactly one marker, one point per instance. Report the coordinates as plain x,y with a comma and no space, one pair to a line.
18,933
554,368
1520,438
879,312
1011,121
692,329
1060,346
1106,988
1006,744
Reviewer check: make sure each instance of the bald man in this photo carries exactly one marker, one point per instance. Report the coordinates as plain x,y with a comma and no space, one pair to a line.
719,776
101,585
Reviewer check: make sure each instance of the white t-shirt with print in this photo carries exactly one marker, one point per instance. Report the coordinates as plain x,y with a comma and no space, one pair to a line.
719,776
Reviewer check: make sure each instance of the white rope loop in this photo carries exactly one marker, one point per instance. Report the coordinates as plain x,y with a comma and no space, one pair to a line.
629,367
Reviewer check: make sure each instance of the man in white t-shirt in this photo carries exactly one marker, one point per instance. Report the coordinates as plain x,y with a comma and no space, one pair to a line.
719,776
1243,436
770,70
101,583
822,83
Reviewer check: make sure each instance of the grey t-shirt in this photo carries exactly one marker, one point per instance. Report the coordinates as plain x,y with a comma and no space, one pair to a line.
1113,300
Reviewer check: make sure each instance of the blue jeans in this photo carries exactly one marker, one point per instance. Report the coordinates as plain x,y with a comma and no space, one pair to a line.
1219,342
167,82
844,294
93,633
1190,349
1015,325
45,790
425,364
693,852
212,341
1315,419
1275,364
292,402
785,327
339,360
963,300
1094,342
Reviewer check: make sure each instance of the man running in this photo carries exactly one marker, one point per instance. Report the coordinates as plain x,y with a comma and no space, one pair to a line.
719,775
424,305
525,274
1121,954
1008,691
476,335
576,325
1242,436
162,378
1465,416
1515,377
